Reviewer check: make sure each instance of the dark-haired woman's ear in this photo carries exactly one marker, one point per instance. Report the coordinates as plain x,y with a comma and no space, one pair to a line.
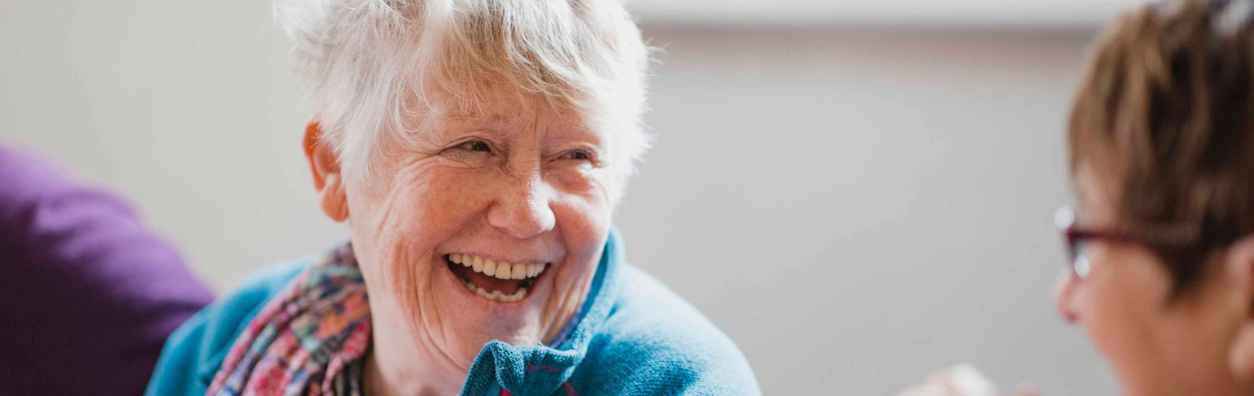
1239,263
1241,353
325,165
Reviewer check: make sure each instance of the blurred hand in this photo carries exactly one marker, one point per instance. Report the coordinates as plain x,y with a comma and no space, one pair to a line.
961,380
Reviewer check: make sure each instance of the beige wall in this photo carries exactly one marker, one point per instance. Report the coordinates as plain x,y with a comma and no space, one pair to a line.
854,208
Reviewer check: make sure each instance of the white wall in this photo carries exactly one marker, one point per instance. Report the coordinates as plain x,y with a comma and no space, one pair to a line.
1035,14
857,208
854,207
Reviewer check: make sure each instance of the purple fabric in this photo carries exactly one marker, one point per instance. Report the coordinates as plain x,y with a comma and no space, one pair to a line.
87,295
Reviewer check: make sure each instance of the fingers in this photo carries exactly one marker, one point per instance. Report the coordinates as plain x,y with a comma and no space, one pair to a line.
962,380
938,376
930,389
1026,389
937,383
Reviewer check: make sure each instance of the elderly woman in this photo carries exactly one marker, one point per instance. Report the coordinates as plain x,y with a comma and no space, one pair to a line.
477,150
1162,249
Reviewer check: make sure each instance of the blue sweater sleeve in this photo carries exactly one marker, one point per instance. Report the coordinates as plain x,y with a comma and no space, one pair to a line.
655,343
194,352
681,366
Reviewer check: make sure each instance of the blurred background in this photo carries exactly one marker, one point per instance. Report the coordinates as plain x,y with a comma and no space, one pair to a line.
857,192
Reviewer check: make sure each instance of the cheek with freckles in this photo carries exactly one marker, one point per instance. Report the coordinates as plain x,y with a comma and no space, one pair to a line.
400,223
432,203
585,227
582,213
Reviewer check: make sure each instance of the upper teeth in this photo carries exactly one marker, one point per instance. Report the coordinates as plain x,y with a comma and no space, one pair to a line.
499,269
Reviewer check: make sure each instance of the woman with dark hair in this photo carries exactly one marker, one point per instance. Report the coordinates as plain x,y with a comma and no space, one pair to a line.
1161,143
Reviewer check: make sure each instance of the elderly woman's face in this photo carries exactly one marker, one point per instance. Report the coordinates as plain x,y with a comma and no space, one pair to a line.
482,227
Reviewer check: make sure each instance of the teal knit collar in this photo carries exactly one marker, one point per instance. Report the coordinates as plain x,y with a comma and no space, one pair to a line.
542,370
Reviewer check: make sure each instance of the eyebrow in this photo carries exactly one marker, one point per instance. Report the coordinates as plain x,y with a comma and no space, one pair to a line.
472,117
466,122
577,131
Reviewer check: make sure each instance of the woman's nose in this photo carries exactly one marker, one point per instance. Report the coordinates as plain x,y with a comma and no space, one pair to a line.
1065,296
523,211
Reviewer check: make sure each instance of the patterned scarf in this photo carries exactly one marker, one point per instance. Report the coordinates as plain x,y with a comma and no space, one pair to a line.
308,340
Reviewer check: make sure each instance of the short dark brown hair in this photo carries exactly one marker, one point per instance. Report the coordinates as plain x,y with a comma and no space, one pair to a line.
1166,112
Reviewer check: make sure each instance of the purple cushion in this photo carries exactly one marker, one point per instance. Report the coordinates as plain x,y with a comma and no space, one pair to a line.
87,295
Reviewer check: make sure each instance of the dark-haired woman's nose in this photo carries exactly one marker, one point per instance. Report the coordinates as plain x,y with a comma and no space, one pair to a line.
1065,296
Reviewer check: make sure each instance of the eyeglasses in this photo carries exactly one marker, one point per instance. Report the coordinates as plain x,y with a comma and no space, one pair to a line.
1079,238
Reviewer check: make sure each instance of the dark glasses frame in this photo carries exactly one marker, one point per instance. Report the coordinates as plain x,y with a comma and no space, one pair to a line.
1077,237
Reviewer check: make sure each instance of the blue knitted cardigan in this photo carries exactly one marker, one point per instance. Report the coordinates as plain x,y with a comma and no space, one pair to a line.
633,337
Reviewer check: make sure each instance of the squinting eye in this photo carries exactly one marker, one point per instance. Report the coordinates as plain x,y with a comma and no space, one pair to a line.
476,145
577,155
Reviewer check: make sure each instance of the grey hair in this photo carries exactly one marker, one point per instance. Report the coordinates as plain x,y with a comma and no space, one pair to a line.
370,65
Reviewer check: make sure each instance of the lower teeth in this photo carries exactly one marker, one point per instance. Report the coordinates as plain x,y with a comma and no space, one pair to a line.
496,295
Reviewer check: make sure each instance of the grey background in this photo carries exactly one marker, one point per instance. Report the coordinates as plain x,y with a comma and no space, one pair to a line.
853,206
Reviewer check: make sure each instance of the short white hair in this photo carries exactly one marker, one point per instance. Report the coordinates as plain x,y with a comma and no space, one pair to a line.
369,64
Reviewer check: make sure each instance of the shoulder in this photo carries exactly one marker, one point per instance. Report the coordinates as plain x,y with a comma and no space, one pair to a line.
194,352
656,343
74,256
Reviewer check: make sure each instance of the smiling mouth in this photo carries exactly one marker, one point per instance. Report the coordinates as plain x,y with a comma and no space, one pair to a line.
494,280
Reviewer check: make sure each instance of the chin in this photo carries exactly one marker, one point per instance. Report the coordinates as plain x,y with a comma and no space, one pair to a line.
1134,375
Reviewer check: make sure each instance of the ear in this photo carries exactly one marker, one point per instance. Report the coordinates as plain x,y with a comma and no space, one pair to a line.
328,181
1239,269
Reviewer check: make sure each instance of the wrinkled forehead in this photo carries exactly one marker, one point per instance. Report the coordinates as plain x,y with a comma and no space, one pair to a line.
506,112
504,108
